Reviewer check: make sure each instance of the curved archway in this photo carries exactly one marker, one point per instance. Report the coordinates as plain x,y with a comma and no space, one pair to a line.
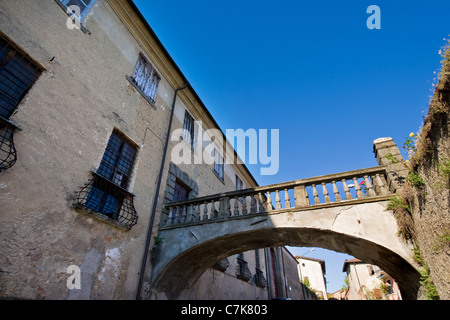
184,270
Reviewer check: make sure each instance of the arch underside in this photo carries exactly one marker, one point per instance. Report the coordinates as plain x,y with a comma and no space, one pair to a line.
185,269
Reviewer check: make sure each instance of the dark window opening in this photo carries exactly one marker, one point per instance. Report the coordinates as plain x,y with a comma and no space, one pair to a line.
181,193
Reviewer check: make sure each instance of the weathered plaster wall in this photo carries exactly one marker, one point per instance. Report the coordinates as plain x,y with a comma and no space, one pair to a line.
67,119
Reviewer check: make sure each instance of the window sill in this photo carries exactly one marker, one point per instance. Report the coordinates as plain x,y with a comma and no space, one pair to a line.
125,191
190,146
9,123
218,177
152,103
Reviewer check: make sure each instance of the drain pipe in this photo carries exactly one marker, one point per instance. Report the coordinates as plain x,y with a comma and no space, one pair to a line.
155,200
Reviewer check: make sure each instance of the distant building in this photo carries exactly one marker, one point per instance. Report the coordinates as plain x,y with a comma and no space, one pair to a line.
369,282
338,295
282,276
312,271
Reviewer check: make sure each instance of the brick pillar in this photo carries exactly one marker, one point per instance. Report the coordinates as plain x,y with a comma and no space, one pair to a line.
388,154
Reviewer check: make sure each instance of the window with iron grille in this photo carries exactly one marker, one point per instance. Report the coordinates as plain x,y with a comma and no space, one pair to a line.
145,78
107,193
17,75
188,129
84,5
118,160
218,164
242,270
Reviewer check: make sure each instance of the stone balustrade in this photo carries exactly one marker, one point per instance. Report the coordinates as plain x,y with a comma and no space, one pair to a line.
334,189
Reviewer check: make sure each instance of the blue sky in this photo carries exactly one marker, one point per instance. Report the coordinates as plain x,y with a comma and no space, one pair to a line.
311,69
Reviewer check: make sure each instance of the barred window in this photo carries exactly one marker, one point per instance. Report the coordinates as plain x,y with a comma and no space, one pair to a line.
146,78
17,75
188,129
84,5
218,164
107,192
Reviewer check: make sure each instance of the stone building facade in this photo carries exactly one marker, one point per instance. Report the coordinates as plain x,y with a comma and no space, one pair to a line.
369,282
313,271
92,112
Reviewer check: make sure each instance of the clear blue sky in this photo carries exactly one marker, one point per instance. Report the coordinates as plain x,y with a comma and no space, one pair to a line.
311,69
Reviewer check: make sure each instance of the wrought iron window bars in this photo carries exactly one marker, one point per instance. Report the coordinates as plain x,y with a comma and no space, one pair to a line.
8,153
18,72
242,270
106,200
106,195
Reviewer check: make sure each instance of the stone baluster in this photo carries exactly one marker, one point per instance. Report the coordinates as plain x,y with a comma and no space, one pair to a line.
325,192
315,194
348,195
183,214
244,206
197,213
173,215
269,202
224,207
359,193
214,212
252,204
236,206
189,213
260,202
301,196
278,200
205,211
287,200
369,186
337,196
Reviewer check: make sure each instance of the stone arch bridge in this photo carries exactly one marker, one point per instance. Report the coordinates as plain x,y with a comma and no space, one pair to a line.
344,212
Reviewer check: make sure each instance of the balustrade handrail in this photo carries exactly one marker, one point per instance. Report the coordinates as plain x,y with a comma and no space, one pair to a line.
348,175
